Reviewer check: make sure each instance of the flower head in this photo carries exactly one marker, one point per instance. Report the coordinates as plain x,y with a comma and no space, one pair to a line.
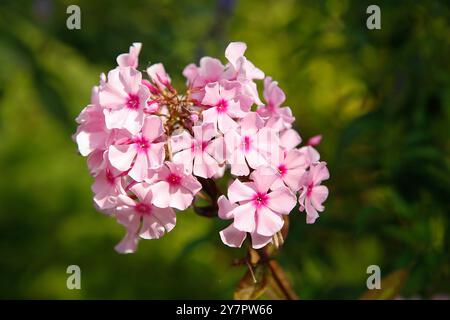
151,149
313,194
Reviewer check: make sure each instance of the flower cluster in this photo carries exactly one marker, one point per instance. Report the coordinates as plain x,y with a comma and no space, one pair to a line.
149,146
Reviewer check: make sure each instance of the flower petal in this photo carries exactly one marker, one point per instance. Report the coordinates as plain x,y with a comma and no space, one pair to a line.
282,200
121,156
232,237
269,222
239,191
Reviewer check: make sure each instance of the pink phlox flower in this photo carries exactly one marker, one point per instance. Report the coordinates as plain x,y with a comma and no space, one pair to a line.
108,185
173,186
241,69
92,133
278,117
139,153
201,154
313,194
124,98
130,59
233,237
251,146
260,210
141,218
290,167
225,104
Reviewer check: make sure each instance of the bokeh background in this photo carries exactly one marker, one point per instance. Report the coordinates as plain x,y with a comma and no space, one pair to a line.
380,98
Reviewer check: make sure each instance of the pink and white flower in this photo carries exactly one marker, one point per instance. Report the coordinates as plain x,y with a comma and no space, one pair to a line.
174,187
141,152
242,70
201,154
277,118
313,194
260,210
146,143
233,237
124,98
252,147
108,186
141,218
290,167
225,104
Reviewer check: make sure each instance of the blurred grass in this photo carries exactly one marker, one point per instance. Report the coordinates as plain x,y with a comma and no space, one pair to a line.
380,98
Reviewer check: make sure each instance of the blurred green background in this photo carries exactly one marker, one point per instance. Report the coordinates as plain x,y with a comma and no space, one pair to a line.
380,98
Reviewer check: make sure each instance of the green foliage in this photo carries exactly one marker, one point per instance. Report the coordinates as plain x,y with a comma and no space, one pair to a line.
381,99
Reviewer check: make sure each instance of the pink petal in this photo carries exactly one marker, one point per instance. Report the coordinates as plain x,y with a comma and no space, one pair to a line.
234,51
212,94
267,140
166,217
251,123
124,119
140,168
225,123
211,69
124,217
259,241
232,237
204,132
158,74
264,177
294,159
239,191
121,156
152,128
181,199
289,139
191,184
282,200
269,222
142,191
156,154
256,159
293,178
185,158
225,208
130,59
151,228
205,166
131,79
319,172
239,166
181,142
162,196
210,116
217,149
128,244
244,217
318,196
311,213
